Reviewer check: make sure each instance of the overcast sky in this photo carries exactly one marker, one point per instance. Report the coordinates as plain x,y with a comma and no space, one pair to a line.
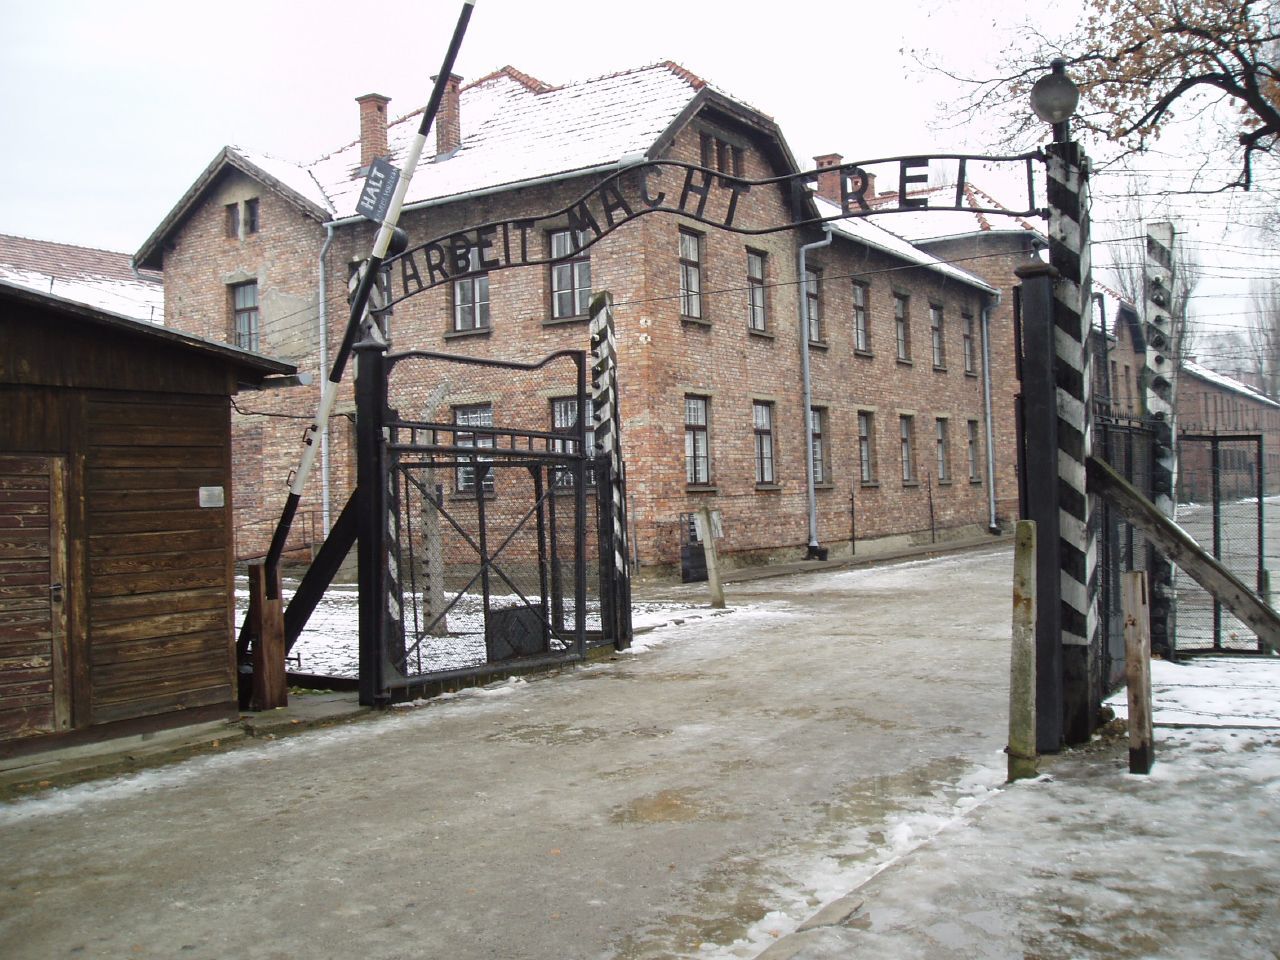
110,110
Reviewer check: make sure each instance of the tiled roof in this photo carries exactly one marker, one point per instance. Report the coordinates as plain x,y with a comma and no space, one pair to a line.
1225,382
98,278
935,224
516,128
866,231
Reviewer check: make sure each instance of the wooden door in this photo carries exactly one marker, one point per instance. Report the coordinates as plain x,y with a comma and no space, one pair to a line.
34,694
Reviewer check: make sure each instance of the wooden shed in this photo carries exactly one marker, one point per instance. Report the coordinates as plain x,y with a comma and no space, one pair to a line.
116,561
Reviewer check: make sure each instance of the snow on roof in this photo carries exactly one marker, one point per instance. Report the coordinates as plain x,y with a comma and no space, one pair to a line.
516,129
1225,382
864,230
97,278
935,223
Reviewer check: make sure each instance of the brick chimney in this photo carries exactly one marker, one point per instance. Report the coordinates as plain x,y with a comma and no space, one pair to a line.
829,182
449,118
373,127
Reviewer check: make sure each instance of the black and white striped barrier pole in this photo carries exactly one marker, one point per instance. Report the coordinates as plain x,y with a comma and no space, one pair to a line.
1158,395
387,231
604,400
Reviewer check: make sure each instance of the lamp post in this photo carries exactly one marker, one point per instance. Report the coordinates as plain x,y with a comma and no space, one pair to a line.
1054,98
1058,429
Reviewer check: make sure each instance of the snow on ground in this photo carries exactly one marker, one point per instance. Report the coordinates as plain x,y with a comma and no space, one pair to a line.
1212,692
329,644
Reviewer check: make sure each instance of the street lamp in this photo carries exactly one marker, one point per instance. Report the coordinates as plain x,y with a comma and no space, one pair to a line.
1054,98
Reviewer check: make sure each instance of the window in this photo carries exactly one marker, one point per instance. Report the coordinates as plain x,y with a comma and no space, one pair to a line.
697,449
813,304
570,277
756,318
937,337
817,423
564,419
762,416
251,215
690,274
231,221
867,446
906,437
974,475
942,434
244,310
471,298
720,155
475,415
861,321
967,343
902,326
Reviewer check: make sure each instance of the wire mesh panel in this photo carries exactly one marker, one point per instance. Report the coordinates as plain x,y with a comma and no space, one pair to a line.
1220,503
1126,445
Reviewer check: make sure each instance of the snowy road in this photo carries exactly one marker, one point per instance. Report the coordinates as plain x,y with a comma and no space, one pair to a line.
698,797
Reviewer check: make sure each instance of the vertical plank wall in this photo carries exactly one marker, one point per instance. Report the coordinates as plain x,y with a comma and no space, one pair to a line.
159,587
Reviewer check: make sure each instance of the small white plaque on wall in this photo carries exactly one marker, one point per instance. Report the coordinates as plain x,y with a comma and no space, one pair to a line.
212,497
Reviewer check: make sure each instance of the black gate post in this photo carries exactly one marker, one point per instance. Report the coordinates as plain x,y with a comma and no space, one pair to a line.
1039,494
1215,470
371,500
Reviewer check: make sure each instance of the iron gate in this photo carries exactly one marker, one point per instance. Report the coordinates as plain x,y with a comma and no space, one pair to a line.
491,552
1222,504
1125,443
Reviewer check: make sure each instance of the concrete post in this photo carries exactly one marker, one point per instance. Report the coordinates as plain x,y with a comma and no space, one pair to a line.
1022,657
706,533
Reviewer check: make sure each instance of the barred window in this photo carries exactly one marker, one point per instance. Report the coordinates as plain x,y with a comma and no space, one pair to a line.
473,415
817,425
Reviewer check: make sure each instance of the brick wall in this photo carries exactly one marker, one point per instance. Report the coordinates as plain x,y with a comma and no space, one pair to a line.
662,357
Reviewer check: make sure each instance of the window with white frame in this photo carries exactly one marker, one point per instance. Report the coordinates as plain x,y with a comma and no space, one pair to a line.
866,446
942,444
813,304
762,419
244,314
818,431
861,318
974,453
937,337
757,319
570,274
907,444
690,274
564,419
968,343
471,297
473,415
902,325
697,441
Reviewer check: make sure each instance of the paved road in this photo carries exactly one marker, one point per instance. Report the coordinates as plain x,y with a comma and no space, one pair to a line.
691,799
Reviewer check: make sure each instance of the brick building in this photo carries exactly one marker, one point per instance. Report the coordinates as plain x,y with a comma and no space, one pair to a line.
1211,404
711,344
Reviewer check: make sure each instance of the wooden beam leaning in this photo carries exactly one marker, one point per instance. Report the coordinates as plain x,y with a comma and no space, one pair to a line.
1176,544
1137,671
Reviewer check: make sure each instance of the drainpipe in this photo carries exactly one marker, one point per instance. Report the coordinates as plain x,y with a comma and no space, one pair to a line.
992,525
812,551
324,365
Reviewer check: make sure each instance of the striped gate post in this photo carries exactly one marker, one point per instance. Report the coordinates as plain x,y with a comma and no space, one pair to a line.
1159,381
608,433
1069,253
381,615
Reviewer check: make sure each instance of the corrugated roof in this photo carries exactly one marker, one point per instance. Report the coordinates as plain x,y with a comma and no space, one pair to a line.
98,278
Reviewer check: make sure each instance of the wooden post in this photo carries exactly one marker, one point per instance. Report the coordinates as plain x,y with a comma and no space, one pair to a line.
266,616
1137,669
706,533
1022,658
